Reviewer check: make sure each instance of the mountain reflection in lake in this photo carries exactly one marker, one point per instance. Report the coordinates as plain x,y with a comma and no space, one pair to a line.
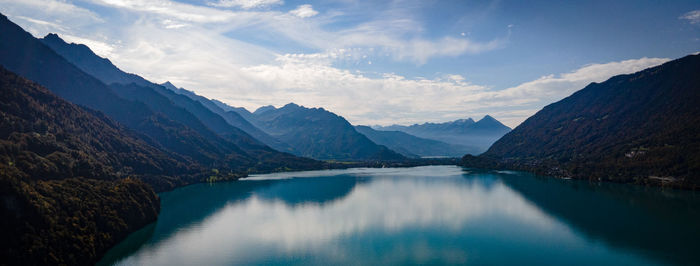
432,214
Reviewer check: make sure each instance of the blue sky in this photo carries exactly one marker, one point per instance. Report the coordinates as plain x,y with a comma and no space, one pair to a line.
376,62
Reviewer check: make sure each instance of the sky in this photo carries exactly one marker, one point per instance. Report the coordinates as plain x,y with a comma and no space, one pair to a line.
375,62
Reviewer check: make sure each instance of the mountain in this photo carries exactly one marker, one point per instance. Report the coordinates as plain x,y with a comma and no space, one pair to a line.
477,136
27,56
81,56
264,109
71,179
319,134
425,128
233,118
241,111
640,127
171,120
133,87
411,146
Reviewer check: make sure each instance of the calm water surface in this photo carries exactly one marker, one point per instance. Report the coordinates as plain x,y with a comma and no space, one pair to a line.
422,215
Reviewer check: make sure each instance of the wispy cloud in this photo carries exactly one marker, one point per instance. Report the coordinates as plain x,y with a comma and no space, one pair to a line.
693,17
205,48
533,95
245,4
170,10
391,98
42,16
388,33
304,11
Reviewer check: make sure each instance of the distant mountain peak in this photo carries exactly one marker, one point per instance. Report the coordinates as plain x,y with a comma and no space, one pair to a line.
57,40
464,121
489,122
490,119
291,105
263,109
169,86
53,36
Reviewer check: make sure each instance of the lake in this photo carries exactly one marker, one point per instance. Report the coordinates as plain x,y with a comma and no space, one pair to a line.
420,215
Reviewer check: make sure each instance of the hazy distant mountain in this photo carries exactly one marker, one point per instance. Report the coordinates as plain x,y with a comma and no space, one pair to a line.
476,136
264,109
641,127
452,127
233,118
320,134
412,146
63,165
243,112
240,110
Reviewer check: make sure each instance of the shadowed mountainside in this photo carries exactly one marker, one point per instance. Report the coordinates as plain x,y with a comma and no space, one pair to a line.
193,111
641,128
233,118
71,181
169,120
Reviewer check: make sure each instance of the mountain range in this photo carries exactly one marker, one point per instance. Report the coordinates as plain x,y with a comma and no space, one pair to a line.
412,146
318,133
237,124
78,175
222,129
641,128
233,118
470,136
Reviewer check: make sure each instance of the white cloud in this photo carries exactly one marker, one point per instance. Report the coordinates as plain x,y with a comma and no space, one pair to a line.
421,51
100,48
535,94
42,16
693,17
171,10
304,11
311,80
388,98
567,83
48,7
246,4
388,34
193,47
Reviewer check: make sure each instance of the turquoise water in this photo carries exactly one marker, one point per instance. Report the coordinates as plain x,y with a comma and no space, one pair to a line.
421,215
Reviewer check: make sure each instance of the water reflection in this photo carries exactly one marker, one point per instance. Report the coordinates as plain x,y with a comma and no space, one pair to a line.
660,223
398,216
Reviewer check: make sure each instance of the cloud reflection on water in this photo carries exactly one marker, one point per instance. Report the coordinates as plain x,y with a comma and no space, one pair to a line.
394,200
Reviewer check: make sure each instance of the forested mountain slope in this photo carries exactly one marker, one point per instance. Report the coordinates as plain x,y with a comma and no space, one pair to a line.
642,127
72,180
